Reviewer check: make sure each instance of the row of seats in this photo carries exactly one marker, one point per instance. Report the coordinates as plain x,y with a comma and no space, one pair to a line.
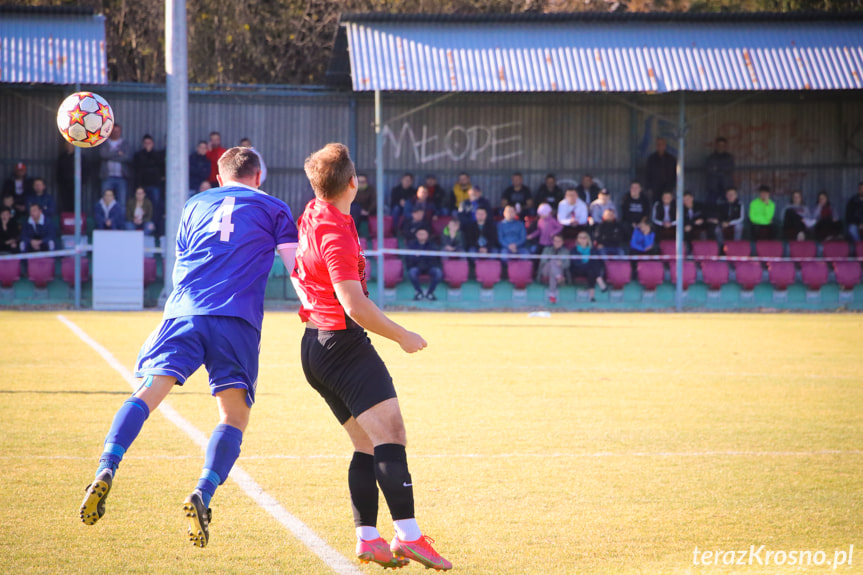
42,271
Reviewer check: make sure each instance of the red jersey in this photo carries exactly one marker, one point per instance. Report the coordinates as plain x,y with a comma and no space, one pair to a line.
328,252
214,155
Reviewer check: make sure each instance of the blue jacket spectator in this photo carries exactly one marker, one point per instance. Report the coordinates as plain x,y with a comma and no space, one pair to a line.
423,265
199,167
643,239
38,234
43,198
108,213
511,233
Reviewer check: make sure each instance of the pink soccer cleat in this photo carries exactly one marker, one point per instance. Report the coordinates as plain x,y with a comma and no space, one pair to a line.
420,551
378,551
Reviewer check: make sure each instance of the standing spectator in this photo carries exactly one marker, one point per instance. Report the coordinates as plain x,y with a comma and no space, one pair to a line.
149,166
452,238
116,169
199,167
547,227
854,214
460,190
214,152
38,234
548,193
635,207
761,212
665,215
610,235
365,203
719,168
424,265
694,219
475,201
588,190
10,231
797,220
728,218
400,196
410,225
139,213
66,177
43,198
437,195
247,143
572,213
481,234
518,196
599,206
826,226
643,240
661,171
511,233
107,213
586,267
552,269
19,186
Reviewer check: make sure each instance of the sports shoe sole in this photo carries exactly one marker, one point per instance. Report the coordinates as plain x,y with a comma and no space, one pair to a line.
394,563
93,507
199,533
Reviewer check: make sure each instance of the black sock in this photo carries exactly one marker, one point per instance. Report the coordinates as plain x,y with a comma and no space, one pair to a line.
391,471
364,489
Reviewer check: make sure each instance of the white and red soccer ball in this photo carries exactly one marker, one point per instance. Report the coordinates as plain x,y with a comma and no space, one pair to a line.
85,119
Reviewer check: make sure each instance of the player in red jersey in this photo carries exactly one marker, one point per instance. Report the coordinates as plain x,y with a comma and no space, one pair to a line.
340,363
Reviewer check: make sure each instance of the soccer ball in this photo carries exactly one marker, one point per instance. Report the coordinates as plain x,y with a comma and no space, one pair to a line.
85,119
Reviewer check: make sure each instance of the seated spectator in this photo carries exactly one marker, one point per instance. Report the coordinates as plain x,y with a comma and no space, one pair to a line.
548,193
452,238
429,265
854,215
10,231
460,191
38,235
572,213
826,226
19,186
43,198
694,219
546,227
475,201
583,266
9,203
511,233
205,185
797,220
635,208
610,235
518,196
412,224
728,217
588,190
481,235
365,203
665,216
643,240
199,167
437,196
599,206
553,270
400,195
761,212
107,213
139,213
422,200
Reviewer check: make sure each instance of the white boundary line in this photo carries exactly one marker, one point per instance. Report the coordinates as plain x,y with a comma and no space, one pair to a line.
336,561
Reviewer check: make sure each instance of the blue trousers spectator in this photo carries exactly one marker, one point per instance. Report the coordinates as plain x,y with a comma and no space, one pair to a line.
149,228
435,273
611,252
120,187
854,232
155,195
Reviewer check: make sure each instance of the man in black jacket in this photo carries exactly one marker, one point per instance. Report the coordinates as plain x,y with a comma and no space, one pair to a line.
429,265
661,171
149,167
854,215
610,235
481,235
634,208
694,219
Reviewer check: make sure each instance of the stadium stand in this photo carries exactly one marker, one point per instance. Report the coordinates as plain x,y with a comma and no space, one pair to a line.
834,249
802,249
689,273
520,273
390,243
618,273
67,270
149,271
814,274
715,274
487,272
748,274
388,226
847,274
67,223
393,272
455,272
705,248
650,274
10,272
781,274
738,248
769,248
40,271
438,224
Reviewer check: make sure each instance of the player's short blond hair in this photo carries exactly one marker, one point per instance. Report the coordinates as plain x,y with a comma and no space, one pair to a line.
239,164
330,170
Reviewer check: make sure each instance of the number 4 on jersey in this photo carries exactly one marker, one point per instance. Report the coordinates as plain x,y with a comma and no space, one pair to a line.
222,219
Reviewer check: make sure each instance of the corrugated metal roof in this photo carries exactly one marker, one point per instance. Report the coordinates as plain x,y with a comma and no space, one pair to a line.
605,56
52,48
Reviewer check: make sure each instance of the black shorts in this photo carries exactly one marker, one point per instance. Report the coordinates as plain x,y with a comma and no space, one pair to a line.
343,366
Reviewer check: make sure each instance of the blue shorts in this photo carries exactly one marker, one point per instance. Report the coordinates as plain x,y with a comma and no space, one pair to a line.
228,347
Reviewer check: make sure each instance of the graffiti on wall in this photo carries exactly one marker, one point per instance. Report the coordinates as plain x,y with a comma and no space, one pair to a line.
477,143
754,142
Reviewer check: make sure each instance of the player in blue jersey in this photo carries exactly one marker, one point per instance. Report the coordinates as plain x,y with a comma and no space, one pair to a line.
225,248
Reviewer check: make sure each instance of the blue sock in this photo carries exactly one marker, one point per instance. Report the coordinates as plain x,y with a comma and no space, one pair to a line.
125,428
222,451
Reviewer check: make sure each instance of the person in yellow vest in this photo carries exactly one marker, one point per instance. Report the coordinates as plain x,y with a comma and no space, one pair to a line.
460,189
761,212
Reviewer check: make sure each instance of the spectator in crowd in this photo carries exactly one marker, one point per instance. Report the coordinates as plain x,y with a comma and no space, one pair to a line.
548,193
66,177
107,213
518,196
761,213
511,233
694,219
203,187
411,225
43,198
365,203
422,200
797,220
599,206
247,143
588,190
460,190
826,226
452,238
475,201
552,269
643,241
139,213
854,214
661,172
149,165
584,266
437,195
547,227
400,195
38,234
116,168
8,202
719,168
199,167
610,235
214,152
19,186
728,217
572,213
10,231
635,208
481,234
665,215
429,265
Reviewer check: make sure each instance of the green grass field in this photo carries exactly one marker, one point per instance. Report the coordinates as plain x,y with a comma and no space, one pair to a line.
580,443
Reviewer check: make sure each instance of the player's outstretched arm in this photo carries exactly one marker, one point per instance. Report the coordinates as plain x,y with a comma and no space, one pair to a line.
364,311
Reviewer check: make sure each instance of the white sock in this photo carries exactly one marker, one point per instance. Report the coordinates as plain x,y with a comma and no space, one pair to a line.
367,533
407,529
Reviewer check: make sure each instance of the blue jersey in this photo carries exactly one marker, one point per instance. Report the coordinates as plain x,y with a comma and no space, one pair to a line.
225,249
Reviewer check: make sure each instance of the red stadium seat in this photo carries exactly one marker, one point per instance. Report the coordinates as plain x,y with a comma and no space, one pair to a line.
748,274
847,274
705,248
814,274
393,272
67,270
40,271
833,250
859,249
455,272
389,244
738,248
781,274
715,274
438,224
650,274
804,249
769,249
688,273
10,272
388,226
487,272
67,223
520,273
149,270
618,273
364,244
668,247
